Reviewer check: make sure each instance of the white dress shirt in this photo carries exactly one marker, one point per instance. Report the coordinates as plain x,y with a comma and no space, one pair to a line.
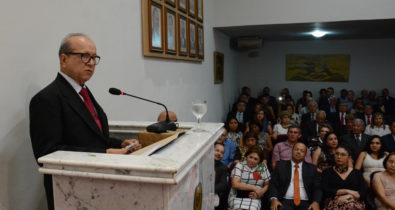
290,192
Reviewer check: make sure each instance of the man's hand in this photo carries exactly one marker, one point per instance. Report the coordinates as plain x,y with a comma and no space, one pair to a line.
314,206
275,204
131,141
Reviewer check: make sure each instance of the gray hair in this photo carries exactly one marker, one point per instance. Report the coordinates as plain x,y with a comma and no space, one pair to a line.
65,46
321,112
313,103
359,120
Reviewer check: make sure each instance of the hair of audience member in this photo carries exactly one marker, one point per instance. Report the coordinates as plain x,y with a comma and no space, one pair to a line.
377,114
65,46
325,125
284,114
232,117
321,112
258,151
350,117
345,147
386,159
369,150
215,144
322,90
359,120
325,147
312,103
294,126
299,142
254,122
248,135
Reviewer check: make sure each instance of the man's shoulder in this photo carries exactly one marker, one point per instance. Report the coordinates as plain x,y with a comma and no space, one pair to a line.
49,91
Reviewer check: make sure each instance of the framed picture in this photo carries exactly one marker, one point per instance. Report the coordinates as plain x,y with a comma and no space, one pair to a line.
155,28
182,35
170,28
218,67
182,5
191,8
192,39
171,2
200,10
200,39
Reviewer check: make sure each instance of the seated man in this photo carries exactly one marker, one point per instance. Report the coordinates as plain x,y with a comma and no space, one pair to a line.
283,150
295,184
221,174
162,116
356,140
229,146
389,139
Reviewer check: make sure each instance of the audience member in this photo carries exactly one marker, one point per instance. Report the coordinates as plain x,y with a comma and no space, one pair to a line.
250,181
324,156
371,159
323,101
234,134
348,129
295,119
379,107
264,140
333,108
282,127
350,100
356,140
377,127
367,115
372,98
264,100
311,128
162,116
250,140
330,91
303,102
318,141
230,148
343,96
338,119
365,96
306,109
384,184
389,102
260,118
389,139
357,107
221,176
241,114
295,183
283,150
271,100
343,186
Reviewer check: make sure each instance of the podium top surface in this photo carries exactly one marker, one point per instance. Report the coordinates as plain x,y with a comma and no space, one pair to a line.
167,166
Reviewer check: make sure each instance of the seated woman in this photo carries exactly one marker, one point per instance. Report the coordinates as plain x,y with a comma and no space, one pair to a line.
250,181
282,127
324,156
250,140
343,186
229,146
260,118
371,159
318,141
295,120
377,127
384,184
234,134
264,140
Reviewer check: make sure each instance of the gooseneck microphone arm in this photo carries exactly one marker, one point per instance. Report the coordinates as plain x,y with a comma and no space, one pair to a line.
116,91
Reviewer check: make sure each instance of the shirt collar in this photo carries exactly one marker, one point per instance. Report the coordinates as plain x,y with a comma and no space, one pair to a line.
77,87
293,164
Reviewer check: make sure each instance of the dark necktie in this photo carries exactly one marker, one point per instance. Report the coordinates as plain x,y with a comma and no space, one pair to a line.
342,119
368,120
357,138
88,103
296,186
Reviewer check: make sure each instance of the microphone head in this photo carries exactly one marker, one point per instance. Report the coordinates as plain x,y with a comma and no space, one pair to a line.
115,91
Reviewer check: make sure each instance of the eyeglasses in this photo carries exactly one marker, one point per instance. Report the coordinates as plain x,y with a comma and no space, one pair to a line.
86,58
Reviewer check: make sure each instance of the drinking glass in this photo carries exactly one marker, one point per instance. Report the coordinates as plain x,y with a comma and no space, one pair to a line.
199,109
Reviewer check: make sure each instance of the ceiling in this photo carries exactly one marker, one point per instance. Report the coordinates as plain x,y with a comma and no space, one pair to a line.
361,29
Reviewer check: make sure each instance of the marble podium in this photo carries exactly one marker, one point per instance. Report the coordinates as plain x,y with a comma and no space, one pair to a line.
168,179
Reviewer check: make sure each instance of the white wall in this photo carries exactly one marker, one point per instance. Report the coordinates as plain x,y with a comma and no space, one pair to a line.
372,66
30,35
257,12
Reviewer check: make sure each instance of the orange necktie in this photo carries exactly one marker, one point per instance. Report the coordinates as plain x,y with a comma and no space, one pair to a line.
296,186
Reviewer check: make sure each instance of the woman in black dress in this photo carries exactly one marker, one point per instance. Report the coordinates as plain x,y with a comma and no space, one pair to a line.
343,186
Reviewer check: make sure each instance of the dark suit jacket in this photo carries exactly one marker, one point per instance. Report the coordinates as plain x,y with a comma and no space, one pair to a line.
281,179
334,118
350,141
388,142
59,120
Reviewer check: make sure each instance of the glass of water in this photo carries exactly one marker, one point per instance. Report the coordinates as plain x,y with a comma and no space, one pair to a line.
199,109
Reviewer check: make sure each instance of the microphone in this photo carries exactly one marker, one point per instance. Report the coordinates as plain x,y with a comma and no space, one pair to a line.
158,127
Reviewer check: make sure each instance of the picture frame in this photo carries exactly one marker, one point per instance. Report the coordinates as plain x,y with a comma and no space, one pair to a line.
182,35
192,8
192,38
182,5
170,32
200,41
171,2
218,67
199,10
155,14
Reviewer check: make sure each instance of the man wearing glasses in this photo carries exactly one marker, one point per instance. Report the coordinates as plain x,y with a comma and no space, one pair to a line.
65,115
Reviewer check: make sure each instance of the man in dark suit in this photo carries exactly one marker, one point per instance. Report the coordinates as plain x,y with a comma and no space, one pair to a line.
389,139
357,140
311,128
65,115
338,119
295,184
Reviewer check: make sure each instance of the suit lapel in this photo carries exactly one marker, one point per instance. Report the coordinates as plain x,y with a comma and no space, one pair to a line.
77,104
288,172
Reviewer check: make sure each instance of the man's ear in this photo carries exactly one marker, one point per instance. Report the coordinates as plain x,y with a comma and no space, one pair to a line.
62,59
